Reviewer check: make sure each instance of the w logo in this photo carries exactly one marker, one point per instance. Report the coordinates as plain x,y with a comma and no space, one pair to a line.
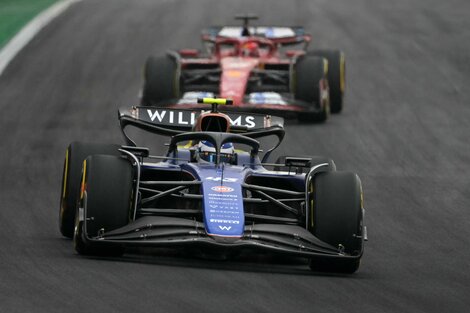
227,228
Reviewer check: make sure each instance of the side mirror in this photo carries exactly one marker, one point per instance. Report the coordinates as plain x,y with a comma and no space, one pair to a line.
298,162
189,53
294,53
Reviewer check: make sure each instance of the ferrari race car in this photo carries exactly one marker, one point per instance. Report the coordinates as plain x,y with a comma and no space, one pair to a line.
211,192
263,69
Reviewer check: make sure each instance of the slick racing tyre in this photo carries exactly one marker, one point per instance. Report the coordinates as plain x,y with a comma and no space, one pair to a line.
311,86
105,201
75,154
161,80
336,217
336,76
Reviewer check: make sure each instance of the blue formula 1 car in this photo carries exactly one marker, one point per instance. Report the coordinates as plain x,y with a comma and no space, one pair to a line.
211,191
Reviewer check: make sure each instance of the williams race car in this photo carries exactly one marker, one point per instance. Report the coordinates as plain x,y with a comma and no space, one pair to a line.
263,69
211,191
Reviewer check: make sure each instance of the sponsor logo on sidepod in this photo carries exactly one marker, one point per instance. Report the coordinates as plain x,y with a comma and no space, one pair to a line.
222,189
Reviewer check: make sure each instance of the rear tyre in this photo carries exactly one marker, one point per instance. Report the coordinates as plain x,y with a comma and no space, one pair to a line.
75,154
162,81
105,201
336,76
337,219
310,85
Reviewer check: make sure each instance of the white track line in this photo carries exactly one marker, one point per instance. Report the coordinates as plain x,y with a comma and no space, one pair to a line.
11,49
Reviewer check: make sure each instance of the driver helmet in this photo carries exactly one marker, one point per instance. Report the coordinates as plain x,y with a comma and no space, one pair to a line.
206,152
250,49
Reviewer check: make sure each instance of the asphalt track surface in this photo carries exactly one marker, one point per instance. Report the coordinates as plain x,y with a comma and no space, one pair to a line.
405,130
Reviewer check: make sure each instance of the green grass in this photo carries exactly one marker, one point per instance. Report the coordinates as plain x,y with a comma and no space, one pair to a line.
14,14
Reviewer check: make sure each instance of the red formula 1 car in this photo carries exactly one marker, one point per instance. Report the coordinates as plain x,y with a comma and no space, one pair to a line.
263,69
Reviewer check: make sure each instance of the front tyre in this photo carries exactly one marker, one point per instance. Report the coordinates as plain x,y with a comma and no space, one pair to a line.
336,76
310,85
336,213
161,80
105,203
75,154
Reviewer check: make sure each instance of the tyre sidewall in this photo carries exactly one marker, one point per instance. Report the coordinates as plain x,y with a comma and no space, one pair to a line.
106,198
336,76
337,210
76,153
161,80
311,86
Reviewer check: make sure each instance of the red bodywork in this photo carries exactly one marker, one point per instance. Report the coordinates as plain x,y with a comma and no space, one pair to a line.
234,61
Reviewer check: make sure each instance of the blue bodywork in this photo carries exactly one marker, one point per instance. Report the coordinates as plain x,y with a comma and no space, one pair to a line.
184,200
221,189
222,198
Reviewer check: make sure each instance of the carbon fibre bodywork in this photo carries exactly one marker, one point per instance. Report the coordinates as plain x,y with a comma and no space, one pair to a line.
180,200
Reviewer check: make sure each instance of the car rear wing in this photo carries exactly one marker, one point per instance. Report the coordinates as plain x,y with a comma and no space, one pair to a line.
171,122
278,34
